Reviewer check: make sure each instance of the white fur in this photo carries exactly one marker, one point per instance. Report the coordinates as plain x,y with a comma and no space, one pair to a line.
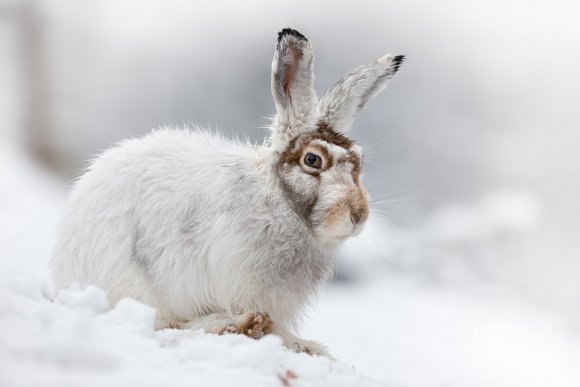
201,228
352,93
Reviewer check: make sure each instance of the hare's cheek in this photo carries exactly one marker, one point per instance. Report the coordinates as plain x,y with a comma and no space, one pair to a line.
300,185
337,220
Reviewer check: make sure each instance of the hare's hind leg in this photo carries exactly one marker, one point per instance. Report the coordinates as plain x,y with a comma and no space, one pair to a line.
251,324
296,344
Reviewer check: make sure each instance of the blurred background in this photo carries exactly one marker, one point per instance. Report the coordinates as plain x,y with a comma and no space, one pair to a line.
470,267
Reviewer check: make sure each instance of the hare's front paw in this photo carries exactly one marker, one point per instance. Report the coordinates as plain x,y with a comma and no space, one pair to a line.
254,325
310,347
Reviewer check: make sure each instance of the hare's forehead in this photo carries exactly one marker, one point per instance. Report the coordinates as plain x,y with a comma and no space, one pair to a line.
336,152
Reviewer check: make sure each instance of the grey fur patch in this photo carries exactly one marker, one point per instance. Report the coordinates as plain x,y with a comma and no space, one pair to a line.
279,89
298,203
371,91
295,260
140,251
135,253
191,224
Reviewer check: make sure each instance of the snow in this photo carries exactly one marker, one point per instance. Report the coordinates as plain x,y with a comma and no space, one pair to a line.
74,340
389,328
417,335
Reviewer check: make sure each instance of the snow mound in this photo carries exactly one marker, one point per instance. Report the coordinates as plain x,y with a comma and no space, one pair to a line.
74,339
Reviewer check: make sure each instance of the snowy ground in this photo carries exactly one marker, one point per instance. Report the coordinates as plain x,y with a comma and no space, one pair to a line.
75,341
413,335
397,330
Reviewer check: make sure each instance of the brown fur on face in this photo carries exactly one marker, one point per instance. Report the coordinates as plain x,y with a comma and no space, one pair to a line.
359,206
336,214
325,133
354,206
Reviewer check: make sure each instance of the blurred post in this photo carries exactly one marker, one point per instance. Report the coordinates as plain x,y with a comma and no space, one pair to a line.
37,124
28,118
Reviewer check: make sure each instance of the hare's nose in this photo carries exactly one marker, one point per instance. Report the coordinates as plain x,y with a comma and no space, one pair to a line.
359,214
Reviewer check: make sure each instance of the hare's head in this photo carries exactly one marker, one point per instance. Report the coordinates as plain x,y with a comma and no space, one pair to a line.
319,167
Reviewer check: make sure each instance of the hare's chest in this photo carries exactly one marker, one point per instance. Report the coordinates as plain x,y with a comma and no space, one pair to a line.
287,255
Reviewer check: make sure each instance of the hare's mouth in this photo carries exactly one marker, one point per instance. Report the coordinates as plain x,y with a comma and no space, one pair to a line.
348,230
357,229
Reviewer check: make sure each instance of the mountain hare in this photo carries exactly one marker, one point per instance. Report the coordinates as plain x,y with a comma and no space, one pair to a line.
221,235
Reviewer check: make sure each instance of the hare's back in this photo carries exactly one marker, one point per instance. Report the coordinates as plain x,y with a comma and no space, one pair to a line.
145,189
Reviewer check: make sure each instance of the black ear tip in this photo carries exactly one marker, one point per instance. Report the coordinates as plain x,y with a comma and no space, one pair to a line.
398,60
290,31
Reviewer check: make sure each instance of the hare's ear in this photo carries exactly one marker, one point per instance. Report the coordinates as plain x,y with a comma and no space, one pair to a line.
293,84
351,94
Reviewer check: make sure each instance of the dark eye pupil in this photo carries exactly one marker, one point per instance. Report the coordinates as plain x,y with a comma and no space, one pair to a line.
313,160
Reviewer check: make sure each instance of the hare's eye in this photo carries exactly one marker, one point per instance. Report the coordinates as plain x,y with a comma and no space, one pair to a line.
313,160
